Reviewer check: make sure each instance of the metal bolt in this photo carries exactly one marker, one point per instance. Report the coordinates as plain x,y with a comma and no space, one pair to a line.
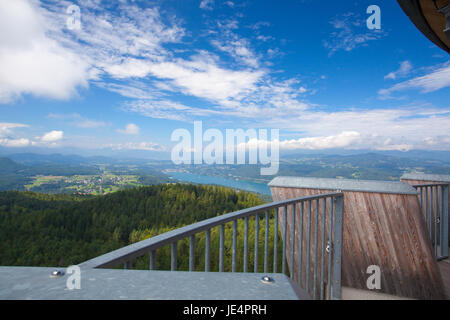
57,273
267,279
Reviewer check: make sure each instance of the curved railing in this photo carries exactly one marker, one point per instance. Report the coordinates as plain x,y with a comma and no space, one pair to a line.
293,237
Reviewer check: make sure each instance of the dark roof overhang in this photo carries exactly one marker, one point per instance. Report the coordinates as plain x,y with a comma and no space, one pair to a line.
431,21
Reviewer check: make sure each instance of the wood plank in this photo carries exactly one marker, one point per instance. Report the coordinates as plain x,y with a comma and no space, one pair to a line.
444,268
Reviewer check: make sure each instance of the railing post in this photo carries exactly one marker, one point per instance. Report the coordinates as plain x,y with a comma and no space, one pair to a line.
266,242
233,258
322,261
316,236
275,241
292,240
339,203
431,215
221,247
192,253
300,245
283,262
308,247
444,221
436,215
153,260
255,266
207,245
173,257
330,249
425,207
246,245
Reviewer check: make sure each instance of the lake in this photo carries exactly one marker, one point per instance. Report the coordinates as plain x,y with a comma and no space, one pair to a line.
226,182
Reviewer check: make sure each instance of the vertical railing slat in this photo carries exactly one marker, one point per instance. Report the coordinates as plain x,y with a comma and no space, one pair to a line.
192,253
300,244
292,240
266,242
444,222
173,256
275,241
283,263
322,260
430,226
436,206
316,233
425,207
153,260
246,245
330,249
419,189
308,246
337,248
207,250
255,263
233,257
221,247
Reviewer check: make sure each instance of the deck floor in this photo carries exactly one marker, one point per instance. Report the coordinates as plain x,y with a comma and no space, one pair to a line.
444,268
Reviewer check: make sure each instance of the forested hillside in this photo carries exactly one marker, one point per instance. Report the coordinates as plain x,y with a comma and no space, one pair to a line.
60,230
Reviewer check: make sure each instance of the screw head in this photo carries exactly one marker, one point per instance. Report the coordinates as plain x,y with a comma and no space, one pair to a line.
328,247
267,279
57,273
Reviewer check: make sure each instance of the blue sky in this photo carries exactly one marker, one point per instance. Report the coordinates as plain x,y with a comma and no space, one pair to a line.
137,70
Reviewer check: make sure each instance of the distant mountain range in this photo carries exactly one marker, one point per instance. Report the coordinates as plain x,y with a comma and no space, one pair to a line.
17,170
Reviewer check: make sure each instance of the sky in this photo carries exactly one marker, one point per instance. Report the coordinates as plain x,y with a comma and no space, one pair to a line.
98,77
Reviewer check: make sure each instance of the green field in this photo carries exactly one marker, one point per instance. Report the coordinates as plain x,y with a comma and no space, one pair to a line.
85,184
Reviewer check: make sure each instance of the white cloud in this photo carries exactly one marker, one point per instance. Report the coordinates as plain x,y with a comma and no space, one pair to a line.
341,140
30,61
404,69
238,49
40,56
167,109
148,146
302,89
200,76
77,120
7,128
89,124
436,80
52,136
14,143
350,33
130,128
206,4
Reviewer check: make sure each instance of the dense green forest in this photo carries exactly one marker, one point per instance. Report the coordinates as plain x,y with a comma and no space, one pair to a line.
60,230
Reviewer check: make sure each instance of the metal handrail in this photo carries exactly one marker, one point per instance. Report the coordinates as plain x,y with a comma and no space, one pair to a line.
126,254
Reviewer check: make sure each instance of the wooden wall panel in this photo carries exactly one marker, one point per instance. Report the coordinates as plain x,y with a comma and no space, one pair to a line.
379,229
